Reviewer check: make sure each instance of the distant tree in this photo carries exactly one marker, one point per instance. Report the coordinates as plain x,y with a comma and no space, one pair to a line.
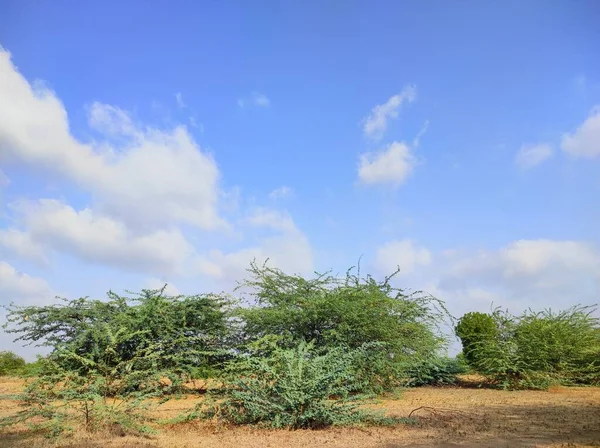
11,363
474,329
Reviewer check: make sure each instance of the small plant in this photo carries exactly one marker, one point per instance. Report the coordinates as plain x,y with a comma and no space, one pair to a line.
291,388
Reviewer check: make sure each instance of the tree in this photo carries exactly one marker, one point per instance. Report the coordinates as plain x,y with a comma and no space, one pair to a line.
344,312
185,332
535,349
474,329
10,363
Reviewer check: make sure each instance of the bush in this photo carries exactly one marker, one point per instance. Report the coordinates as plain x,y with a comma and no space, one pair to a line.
187,332
10,363
536,350
94,390
291,388
474,328
345,312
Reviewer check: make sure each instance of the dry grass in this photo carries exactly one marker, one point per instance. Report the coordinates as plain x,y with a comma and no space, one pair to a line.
449,417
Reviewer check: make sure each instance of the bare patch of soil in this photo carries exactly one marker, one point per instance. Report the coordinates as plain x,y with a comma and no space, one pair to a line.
467,417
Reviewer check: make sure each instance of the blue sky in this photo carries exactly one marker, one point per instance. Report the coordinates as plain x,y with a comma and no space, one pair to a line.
156,142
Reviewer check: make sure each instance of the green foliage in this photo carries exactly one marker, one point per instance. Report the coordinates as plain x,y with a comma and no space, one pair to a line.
536,350
472,329
186,332
94,390
33,369
109,358
345,312
438,371
291,388
11,363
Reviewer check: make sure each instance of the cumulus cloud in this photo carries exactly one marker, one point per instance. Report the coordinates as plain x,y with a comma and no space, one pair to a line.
22,245
255,99
93,237
376,123
584,142
532,155
392,166
538,273
21,289
155,283
288,249
155,177
404,254
273,219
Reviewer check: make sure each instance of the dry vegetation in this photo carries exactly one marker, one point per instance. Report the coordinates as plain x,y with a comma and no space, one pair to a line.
451,416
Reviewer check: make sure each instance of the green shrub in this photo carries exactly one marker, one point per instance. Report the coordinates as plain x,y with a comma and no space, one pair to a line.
536,350
291,388
473,329
345,312
188,332
11,363
95,390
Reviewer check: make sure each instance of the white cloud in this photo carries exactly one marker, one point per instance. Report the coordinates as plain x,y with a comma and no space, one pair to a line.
376,123
290,252
417,140
21,288
404,254
532,155
179,99
281,192
273,219
155,283
255,99
21,244
584,142
538,273
96,238
156,177
390,166
288,249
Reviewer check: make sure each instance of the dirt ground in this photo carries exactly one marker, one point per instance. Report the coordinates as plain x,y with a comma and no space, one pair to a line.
448,417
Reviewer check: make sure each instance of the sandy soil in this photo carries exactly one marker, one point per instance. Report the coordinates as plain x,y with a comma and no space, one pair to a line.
448,417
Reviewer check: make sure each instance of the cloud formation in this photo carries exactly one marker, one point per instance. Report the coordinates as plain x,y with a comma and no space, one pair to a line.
153,177
584,142
376,123
532,155
403,254
255,99
390,166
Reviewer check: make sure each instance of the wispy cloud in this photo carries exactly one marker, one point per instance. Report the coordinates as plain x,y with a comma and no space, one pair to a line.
376,123
255,99
179,99
281,192
532,155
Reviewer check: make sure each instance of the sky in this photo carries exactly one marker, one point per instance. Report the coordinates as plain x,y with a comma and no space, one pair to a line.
144,143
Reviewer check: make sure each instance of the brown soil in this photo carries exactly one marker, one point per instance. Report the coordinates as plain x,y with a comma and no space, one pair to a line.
447,417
